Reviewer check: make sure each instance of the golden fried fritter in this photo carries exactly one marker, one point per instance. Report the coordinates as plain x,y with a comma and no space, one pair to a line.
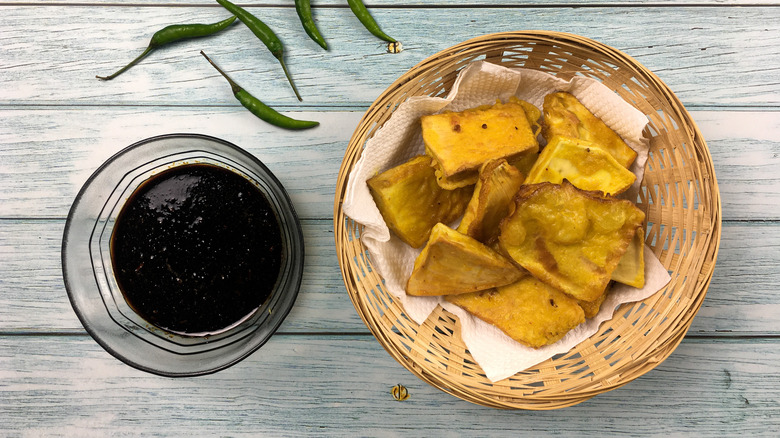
631,269
528,311
565,115
591,308
583,164
569,238
411,202
492,198
459,142
453,263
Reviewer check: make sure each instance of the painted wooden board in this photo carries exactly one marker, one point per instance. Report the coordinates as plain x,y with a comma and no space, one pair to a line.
33,297
746,278
380,4
324,374
340,386
742,299
48,153
687,47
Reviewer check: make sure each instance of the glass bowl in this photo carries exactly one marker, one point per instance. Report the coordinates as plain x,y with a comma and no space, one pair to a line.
89,272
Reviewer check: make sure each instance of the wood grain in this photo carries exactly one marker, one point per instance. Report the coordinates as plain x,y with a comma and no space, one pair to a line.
708,387
53,151
379,4
48,153
323,374
685,46
740,302
33,297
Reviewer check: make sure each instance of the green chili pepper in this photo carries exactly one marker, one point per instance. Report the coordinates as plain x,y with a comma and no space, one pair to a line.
360,11
303,7
258,108
264,33
172,33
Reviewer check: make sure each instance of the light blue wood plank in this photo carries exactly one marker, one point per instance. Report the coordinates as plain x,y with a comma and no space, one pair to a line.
742,296
49,152
340,386
54,58
742,299
745,149
379,4
57,123
33,298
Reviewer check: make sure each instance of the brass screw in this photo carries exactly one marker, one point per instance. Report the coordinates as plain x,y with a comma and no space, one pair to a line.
395,47
400,392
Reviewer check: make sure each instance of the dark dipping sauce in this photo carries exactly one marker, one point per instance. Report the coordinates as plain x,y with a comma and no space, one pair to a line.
196,249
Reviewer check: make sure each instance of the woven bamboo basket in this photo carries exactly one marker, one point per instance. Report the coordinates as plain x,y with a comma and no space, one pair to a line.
679,196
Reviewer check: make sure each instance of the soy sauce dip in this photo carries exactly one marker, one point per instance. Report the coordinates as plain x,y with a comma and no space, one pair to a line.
196,249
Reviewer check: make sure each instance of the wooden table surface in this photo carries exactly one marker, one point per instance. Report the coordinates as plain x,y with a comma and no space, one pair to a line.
323,373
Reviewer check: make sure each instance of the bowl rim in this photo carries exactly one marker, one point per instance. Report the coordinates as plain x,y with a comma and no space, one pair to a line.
254,331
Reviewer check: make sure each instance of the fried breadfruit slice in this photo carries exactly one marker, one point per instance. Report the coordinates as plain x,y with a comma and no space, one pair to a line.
591,308
411,202
492,198
583,164
460,142
569,238
525,161
528,311
453,263
565,115
532,113
631,268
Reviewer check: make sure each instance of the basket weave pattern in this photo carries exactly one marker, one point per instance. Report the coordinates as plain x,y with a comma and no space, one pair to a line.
679,196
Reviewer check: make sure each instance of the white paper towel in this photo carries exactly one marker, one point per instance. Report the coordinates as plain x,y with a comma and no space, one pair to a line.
400,138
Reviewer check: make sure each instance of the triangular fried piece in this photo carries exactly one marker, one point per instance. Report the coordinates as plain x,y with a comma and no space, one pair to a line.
460,142
631,268
565,115
453,263
569,238
583,163
532,113
411,202
591,308
525,161
491,201
528,311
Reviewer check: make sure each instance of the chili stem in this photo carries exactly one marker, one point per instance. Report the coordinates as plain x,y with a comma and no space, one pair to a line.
264,34
289,78
173,33
258,108
234,86
132,63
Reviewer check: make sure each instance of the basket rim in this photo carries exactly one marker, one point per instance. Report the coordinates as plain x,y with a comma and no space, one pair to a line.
345,228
